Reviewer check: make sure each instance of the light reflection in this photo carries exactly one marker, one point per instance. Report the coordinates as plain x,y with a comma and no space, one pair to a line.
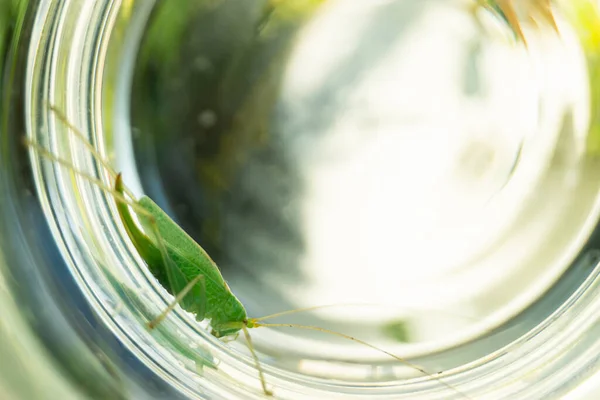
413,184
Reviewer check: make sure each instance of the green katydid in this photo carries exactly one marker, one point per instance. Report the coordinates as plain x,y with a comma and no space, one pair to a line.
182,266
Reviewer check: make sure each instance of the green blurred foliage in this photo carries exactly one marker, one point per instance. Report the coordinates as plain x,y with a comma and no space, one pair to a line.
584,16
397,330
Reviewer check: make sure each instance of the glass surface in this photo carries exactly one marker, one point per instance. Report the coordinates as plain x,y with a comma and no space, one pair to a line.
410,163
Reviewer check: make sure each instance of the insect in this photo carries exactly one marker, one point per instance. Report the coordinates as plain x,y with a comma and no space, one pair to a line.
534,8
185,270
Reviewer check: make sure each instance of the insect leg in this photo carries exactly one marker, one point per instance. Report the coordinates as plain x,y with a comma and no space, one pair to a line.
79,135
179,298
261,375
67,164
231,338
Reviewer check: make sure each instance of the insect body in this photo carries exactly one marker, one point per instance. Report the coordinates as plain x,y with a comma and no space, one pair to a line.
175,259
185,270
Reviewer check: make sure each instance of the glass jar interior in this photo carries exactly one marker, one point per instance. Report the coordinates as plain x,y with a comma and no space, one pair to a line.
410,162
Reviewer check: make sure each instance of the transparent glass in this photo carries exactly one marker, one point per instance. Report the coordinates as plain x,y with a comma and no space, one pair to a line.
410,163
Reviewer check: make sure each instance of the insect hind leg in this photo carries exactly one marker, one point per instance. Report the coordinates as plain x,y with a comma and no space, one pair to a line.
102,185
120,196
198,280
229,339
261,374
77,133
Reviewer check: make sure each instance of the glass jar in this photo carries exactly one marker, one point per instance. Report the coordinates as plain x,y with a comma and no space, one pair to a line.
413,166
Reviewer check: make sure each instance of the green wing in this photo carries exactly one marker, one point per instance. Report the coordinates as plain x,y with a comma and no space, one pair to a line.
175,259
187,260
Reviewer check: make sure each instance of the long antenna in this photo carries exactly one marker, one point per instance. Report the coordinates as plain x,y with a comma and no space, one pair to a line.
254,324
307,309
297,310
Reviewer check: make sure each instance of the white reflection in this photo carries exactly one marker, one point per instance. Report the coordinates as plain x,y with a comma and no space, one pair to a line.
413,183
